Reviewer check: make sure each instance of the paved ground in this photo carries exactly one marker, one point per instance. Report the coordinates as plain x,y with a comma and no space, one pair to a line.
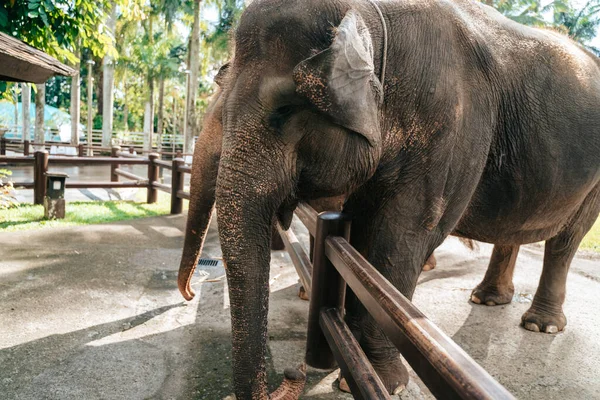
94,313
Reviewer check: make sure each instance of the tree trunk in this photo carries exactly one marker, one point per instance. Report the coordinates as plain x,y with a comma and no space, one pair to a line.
125,105
174,124
161,112
40,102
108,68
75,103
99,83
25,110
192,88
149,117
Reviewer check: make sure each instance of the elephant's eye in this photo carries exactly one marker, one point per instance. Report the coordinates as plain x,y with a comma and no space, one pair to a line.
280,116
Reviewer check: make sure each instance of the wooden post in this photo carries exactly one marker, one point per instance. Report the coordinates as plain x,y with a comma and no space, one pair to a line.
152,177
3,146
39,176
80,150
26,148
114,152
176,186
328,289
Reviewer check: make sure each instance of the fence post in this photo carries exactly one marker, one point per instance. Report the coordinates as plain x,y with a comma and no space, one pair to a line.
26,148
152,177
328,288
176,186
80,150
114,152
39,176
3,146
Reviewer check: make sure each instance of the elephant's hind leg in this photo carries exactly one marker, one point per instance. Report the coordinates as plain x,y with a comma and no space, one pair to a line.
546,313
497,285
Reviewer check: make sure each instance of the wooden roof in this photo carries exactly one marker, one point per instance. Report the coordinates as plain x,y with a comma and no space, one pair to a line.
20,62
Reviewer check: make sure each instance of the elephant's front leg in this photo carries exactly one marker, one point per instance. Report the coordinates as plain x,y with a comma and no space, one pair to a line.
398,249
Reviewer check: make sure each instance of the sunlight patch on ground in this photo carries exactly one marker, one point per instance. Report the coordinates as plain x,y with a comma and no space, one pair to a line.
180,315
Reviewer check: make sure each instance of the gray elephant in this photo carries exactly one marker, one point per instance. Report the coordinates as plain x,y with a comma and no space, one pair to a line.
432,117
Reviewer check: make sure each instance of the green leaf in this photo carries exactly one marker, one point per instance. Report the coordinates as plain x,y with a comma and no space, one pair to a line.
3,18
33,14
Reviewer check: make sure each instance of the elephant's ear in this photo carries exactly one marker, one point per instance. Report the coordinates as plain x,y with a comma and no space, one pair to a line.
340,81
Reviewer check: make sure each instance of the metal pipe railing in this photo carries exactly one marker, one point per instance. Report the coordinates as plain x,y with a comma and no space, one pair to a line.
441,364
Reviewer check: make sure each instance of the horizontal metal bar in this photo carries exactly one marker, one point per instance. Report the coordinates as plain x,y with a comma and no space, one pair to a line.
356,368
186,169
129,175
308,216
161,186
299,257
164,164
105,185
98,160
443,366
183,195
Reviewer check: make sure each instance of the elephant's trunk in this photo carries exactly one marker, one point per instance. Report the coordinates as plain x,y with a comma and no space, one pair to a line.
249,192
202,196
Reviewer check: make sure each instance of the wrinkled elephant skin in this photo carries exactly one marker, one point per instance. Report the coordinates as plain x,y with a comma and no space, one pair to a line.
482,128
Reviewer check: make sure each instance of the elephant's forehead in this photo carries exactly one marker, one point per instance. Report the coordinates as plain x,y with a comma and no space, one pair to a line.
286,30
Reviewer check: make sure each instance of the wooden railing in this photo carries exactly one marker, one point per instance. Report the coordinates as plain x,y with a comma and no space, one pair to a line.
25,148
442,365
41,161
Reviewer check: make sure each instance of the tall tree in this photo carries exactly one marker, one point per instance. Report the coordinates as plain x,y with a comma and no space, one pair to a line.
192,89
108,71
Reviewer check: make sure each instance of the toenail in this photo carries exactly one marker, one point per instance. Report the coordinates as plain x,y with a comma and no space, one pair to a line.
399,389
551,329
475,300
530,326
490,303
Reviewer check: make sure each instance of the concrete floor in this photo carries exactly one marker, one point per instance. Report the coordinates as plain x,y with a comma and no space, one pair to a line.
94,313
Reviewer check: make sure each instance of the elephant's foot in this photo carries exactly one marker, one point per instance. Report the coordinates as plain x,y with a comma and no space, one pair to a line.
537,320
431,263
394,377
492,296
292,386
302,293
343,386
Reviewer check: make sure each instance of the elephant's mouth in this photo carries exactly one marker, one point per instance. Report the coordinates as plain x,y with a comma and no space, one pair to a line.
286,212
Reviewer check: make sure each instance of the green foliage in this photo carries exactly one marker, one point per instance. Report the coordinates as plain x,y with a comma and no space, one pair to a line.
581,24
57,26
7,199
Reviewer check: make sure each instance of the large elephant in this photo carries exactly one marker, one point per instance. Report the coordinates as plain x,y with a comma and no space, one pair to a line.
481,127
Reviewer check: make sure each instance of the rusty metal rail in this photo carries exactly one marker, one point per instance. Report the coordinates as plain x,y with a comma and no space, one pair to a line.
442,365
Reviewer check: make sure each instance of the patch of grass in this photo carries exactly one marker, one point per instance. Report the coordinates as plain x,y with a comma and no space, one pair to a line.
28,216
592,239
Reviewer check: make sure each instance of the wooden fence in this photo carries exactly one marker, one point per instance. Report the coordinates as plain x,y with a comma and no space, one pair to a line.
442,365
82,150
41,161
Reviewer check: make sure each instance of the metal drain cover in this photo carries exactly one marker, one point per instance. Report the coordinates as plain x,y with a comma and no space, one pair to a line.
210,262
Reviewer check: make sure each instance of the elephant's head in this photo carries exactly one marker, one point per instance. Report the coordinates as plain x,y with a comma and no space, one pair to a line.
300,117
